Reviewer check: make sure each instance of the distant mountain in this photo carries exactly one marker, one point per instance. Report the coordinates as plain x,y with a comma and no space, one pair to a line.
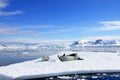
60,45
100,45
96,42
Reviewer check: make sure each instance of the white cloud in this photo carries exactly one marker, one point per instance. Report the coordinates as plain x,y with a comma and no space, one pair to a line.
11,30
3,4
110,28
103,37
14,31
2,13
110,22
7,30
36,26
110,25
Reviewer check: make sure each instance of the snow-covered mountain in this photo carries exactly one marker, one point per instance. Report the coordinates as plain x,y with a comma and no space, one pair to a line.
97,42
96,45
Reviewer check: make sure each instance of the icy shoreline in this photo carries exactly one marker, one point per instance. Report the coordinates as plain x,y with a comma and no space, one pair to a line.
93,62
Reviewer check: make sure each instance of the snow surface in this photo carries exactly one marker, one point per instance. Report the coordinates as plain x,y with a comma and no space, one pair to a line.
93,62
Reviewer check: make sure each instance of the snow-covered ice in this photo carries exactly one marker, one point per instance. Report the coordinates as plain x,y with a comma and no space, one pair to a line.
93,62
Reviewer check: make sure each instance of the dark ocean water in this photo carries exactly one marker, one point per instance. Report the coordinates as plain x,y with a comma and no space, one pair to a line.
108,77
88,76
12,57
6,60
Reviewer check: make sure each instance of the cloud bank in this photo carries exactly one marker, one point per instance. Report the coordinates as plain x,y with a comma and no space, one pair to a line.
29,30
103,37
110,25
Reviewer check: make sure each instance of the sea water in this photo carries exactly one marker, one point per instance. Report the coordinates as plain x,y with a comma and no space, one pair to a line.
95,76
12,57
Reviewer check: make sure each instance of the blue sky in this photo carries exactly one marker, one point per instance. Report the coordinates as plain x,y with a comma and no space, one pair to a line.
58,19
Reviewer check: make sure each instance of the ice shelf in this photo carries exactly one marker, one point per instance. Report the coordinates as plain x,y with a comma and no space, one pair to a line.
93,62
